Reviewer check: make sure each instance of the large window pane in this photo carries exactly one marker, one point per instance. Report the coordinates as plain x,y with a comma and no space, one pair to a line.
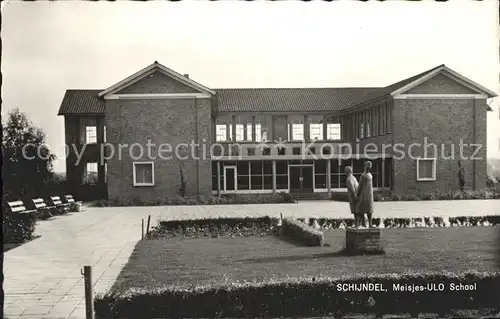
281,181
281,167
320,181
256,167
268,182
243,168
256,182
243,182
90,173
320,167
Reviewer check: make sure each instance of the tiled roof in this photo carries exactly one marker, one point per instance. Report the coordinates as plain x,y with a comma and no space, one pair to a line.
259,100
291,99
81,102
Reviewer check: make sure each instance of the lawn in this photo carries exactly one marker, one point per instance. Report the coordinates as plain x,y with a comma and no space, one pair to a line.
178,261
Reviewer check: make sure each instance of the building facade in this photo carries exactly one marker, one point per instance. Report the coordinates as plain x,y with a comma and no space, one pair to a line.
158,134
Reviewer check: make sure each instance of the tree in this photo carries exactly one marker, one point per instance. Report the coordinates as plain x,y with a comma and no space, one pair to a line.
26,160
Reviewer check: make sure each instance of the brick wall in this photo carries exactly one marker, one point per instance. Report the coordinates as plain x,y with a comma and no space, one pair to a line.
174,122
443,122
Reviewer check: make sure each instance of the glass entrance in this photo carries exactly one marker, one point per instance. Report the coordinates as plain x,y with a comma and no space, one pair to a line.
301,179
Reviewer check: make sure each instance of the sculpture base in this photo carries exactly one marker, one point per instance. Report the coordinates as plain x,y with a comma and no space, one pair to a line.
361,241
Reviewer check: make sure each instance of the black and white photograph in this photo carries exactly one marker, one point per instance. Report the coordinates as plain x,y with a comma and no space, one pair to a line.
250,159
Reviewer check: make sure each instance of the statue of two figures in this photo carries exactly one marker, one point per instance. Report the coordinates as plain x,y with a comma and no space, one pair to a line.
360,195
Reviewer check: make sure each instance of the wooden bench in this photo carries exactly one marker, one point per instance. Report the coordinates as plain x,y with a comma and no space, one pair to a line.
71,201
18,207
42,208
56,202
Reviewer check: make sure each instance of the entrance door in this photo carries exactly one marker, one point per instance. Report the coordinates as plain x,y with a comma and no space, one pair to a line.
230,178
301,179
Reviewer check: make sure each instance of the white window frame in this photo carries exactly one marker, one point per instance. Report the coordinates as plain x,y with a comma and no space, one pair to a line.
90,129
423,179
86,172
316,131
240,132
218,129
152,174
331,130
298,132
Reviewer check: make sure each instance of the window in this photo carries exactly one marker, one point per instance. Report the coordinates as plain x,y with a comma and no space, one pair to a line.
266,151
251,151
281,175
296,128
311,150
361,122
333,131
90,176
368,122
375,121
320,174
382,119
221,132
249,131
144,174
240,132
262,128
296,151
88,131
316,131
297,132
281,151
91,134
389,118
426,169
316,127
243,179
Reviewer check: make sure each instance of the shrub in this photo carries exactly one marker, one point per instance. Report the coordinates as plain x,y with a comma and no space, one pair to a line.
413,222
302,297
200,200
300,231
18,228
215,227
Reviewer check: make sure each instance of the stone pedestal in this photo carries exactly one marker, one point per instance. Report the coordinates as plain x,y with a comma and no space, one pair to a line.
363,241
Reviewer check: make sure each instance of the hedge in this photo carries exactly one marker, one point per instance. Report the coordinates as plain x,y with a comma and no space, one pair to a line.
278,198
18,228
384,196
215,227
294,297
299,231
412,222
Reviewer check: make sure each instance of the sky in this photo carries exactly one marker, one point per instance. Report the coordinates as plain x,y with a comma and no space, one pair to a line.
49,47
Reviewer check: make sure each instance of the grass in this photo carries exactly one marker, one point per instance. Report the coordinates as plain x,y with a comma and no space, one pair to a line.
176,261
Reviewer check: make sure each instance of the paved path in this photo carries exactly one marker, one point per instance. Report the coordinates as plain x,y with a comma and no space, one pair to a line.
43,280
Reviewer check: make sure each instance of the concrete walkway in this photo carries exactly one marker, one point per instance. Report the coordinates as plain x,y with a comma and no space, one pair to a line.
43,280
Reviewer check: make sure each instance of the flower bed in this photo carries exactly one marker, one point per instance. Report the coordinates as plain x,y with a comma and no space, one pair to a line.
294,297
214,227
299,231
341,223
